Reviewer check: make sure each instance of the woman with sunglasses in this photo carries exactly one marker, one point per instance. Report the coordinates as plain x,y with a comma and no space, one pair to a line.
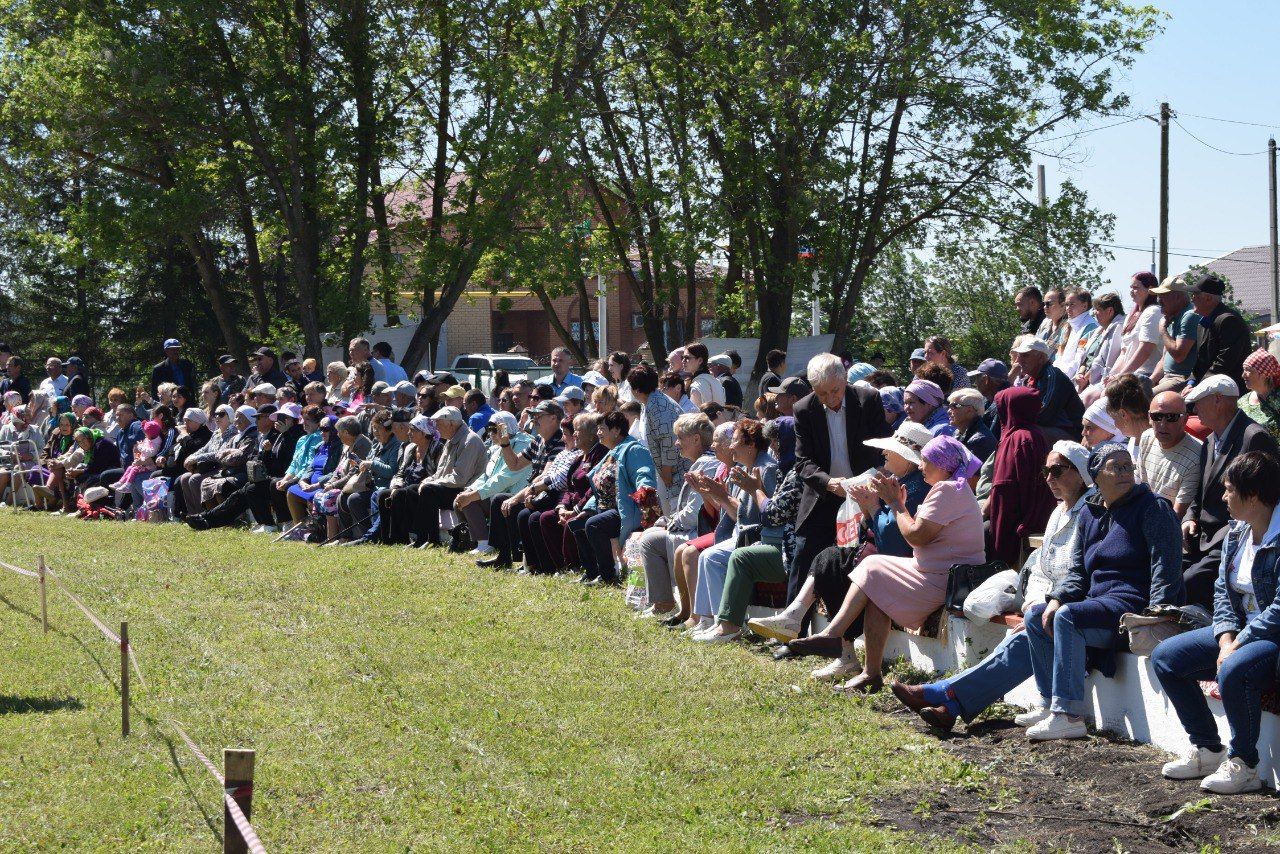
965,408
1127,558
968,694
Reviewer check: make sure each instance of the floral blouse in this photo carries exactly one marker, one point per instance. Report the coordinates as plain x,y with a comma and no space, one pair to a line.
778,516
1266,410
606,484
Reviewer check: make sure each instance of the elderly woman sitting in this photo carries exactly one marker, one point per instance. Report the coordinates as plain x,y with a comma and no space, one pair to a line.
20,444
967,694
1241,648
354,510
553,543
685,521
945,531
923,401
830,573
1099,427
738,499
965,408
1262,378
1128,556
473,502
355,450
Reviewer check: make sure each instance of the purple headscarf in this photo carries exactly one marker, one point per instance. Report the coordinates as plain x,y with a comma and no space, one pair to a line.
927,390
951,456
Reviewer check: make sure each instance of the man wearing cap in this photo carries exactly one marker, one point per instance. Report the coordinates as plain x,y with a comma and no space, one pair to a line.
991,377
572,400
722,367
478,411
261,394
279,431
229,382
1179,336
55,384
1061,410
1226,340
788,392
462,461
173,463
77,382
918,358
381,394
172,368
391,370
505,508
561,377
266,369
1216,401
404,395
832,427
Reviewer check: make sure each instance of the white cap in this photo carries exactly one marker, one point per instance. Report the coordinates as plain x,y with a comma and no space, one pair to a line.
1213,384
248,412
1097,415
722,360
1077,455
572,392
594,378
448,413
264,388
196,415
1031,344
289,410
906,441
421,423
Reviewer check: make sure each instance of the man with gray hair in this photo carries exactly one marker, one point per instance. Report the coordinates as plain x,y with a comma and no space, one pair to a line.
832,425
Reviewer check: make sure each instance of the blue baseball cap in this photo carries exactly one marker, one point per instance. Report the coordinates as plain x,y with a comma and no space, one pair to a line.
993,368
171,342
917,355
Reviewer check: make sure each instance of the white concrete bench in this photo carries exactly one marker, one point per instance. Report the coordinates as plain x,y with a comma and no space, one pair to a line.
1130,704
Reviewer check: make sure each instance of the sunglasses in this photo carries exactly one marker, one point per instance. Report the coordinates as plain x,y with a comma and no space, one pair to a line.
1161,417
1055,471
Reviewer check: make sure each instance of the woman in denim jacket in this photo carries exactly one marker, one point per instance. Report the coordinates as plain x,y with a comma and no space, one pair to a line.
1241,648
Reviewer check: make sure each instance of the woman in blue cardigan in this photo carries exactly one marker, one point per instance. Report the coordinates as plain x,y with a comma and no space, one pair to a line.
1241,648
611,514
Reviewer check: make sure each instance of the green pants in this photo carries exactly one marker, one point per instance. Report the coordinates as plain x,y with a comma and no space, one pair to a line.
746,567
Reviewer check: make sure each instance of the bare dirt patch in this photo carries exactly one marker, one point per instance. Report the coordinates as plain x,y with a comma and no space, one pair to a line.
1102,794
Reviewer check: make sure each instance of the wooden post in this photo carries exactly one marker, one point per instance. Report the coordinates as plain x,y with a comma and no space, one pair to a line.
124,679
44,602
237,771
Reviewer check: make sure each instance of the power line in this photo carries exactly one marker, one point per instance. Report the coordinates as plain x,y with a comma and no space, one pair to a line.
1146,250
1087,131
1214,147
1229,121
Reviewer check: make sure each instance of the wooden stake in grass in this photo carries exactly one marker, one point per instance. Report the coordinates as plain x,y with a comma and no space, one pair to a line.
44,604
237,772
124,679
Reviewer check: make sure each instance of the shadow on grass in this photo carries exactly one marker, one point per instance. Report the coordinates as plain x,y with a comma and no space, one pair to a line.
11,705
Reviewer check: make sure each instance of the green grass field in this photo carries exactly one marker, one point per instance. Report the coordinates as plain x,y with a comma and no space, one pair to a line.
407,701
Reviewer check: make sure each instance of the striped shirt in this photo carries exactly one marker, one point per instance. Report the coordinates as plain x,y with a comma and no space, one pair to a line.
558,470
542,451
1173,473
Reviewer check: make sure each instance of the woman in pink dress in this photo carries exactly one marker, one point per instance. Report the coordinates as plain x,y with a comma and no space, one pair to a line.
945,530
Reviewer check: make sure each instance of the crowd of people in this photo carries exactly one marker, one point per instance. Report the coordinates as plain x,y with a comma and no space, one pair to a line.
1137,451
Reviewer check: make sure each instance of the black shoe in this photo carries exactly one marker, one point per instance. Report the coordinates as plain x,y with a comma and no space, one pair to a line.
197,522
495,562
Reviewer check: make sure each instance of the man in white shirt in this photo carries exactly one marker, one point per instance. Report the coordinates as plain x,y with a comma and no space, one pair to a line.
56,383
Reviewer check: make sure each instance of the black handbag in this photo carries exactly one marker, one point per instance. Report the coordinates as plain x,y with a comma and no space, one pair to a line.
460,541
965,578
749,535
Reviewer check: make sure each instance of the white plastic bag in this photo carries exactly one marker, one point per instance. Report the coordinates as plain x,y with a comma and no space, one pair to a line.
993,597
847,521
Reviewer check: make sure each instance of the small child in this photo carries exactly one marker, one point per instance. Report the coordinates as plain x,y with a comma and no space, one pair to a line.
144,462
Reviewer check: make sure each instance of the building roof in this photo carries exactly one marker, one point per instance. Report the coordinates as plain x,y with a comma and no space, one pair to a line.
1248,270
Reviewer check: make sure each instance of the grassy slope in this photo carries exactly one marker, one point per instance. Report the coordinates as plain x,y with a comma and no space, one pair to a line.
398,700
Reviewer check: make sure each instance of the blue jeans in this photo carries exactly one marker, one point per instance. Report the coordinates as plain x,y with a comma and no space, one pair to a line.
1005,668
1057,662
1186,659
713,568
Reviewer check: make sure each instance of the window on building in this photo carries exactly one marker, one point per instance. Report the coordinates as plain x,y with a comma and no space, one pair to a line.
706,326
637,320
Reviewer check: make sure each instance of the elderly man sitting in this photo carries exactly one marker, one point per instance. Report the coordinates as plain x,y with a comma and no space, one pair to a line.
1168,458
1061,411
462,461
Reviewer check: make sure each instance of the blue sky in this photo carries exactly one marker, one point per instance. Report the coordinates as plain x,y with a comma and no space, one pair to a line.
1217,59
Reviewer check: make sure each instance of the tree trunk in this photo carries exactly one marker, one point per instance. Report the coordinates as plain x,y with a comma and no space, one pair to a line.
207,267
366,135
253,263
388,278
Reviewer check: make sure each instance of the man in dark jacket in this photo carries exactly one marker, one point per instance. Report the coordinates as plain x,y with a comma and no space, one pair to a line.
1204,529
832,425
266,369
1030,305
722,367
1225,339
229,381
78,383
173,368
1061,412
16,380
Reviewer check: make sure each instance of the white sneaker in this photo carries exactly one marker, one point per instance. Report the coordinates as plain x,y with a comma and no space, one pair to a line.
265,529
703,624
484,552
1058,726
1195,763
780,627
1031,716
838,669
1232,778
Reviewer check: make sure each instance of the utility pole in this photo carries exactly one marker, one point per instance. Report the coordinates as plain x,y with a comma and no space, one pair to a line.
1275,234
1165,115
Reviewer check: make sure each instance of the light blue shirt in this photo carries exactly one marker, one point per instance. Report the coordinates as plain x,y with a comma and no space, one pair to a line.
391,374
